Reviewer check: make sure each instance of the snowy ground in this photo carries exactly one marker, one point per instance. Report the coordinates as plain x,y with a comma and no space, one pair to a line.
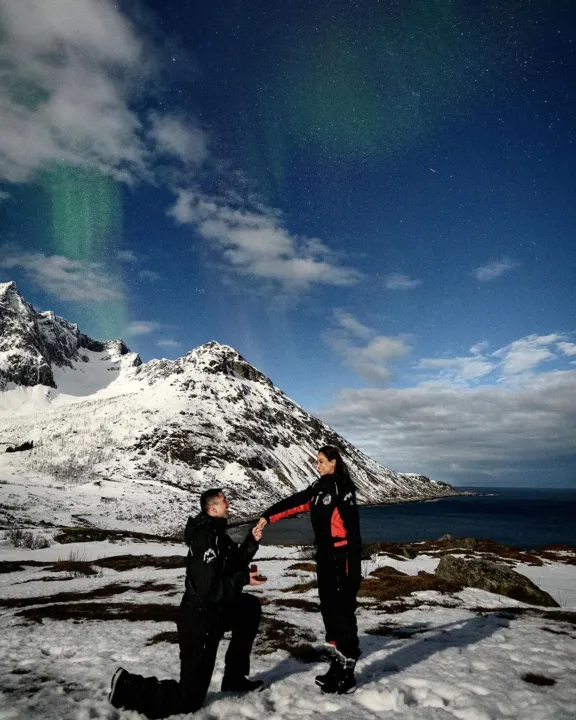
436,657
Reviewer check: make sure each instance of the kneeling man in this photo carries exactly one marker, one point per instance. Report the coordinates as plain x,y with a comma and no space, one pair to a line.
217,568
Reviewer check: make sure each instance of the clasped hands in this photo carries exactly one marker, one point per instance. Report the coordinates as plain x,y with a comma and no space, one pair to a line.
258,529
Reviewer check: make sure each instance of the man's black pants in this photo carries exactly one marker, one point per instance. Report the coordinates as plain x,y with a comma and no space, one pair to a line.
338,584
199,634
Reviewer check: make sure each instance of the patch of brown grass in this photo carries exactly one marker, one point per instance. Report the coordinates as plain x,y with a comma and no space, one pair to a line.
121,563
86,534
10,566
556,553
101,592
65,597
561,616
153,586
275,634
75,568
511,613
391,630
451,546
386,572
303,566
153,612
299,603
302,587
389,586
536,679
170,636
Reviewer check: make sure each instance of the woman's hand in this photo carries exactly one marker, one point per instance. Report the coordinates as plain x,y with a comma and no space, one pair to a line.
261,523
257,533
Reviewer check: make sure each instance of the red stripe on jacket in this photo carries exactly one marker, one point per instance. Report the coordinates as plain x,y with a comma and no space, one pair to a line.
291,511
337,529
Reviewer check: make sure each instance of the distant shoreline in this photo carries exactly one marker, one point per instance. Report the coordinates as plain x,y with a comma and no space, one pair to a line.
239,522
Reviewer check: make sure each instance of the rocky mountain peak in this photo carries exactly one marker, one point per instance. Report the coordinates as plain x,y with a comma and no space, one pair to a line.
213,357
33,343
8,288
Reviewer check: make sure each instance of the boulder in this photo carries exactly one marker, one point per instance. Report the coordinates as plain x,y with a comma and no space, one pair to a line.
492,577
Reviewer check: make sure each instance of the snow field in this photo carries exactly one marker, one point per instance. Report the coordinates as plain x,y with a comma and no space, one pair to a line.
439,659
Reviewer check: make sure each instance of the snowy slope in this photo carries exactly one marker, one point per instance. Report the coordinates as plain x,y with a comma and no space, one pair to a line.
467,655
118,443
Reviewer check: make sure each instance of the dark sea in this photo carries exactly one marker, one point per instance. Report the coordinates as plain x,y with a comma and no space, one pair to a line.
520,517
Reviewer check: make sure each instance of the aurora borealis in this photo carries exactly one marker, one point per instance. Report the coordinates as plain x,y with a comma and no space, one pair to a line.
373,201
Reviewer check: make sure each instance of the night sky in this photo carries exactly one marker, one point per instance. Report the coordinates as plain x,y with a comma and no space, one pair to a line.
373,202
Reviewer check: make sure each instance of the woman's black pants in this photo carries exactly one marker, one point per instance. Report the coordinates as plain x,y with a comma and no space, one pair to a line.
338,584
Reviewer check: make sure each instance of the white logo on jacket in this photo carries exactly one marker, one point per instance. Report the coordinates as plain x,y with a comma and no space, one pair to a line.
327,499
209,555
348,496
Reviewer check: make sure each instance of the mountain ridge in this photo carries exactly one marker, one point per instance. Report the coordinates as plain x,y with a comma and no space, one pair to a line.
123,444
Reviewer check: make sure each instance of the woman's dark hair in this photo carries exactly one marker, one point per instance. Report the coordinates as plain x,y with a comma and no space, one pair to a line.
332,453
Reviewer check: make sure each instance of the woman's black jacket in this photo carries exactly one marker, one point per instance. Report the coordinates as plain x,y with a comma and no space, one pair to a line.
331,501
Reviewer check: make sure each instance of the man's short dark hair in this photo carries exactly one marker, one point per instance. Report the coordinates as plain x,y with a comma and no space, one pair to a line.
207,497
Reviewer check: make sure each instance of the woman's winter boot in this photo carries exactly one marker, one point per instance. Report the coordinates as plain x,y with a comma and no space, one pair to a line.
328,677
342,681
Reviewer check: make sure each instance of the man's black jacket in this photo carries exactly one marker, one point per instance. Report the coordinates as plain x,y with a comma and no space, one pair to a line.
216,567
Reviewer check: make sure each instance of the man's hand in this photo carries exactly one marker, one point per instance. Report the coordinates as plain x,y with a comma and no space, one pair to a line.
257,533
261,523
256,579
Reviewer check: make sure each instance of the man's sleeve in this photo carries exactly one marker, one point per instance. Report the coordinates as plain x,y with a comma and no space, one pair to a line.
236,573
297,503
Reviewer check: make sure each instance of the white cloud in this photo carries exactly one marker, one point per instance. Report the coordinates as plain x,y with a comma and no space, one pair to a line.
494,269
180,138
167,343
458,369
471,415
479,348
515,362
567,348
69,72
254,242
4,196
142,327
63,278
399,281
127,256
525,354
348,322
486,430
149,275
371,360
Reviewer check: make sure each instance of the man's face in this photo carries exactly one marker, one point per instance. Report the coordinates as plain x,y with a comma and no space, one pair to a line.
219,506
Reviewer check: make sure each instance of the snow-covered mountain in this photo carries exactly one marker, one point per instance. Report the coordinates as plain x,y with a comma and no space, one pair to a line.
119,443
34,346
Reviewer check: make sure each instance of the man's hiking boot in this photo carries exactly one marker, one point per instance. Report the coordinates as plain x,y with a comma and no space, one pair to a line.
328,677
119,688
239,683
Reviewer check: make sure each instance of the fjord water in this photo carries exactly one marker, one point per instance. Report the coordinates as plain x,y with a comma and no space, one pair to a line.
519,517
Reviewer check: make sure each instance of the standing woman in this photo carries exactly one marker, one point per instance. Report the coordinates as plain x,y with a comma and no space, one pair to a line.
331,501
